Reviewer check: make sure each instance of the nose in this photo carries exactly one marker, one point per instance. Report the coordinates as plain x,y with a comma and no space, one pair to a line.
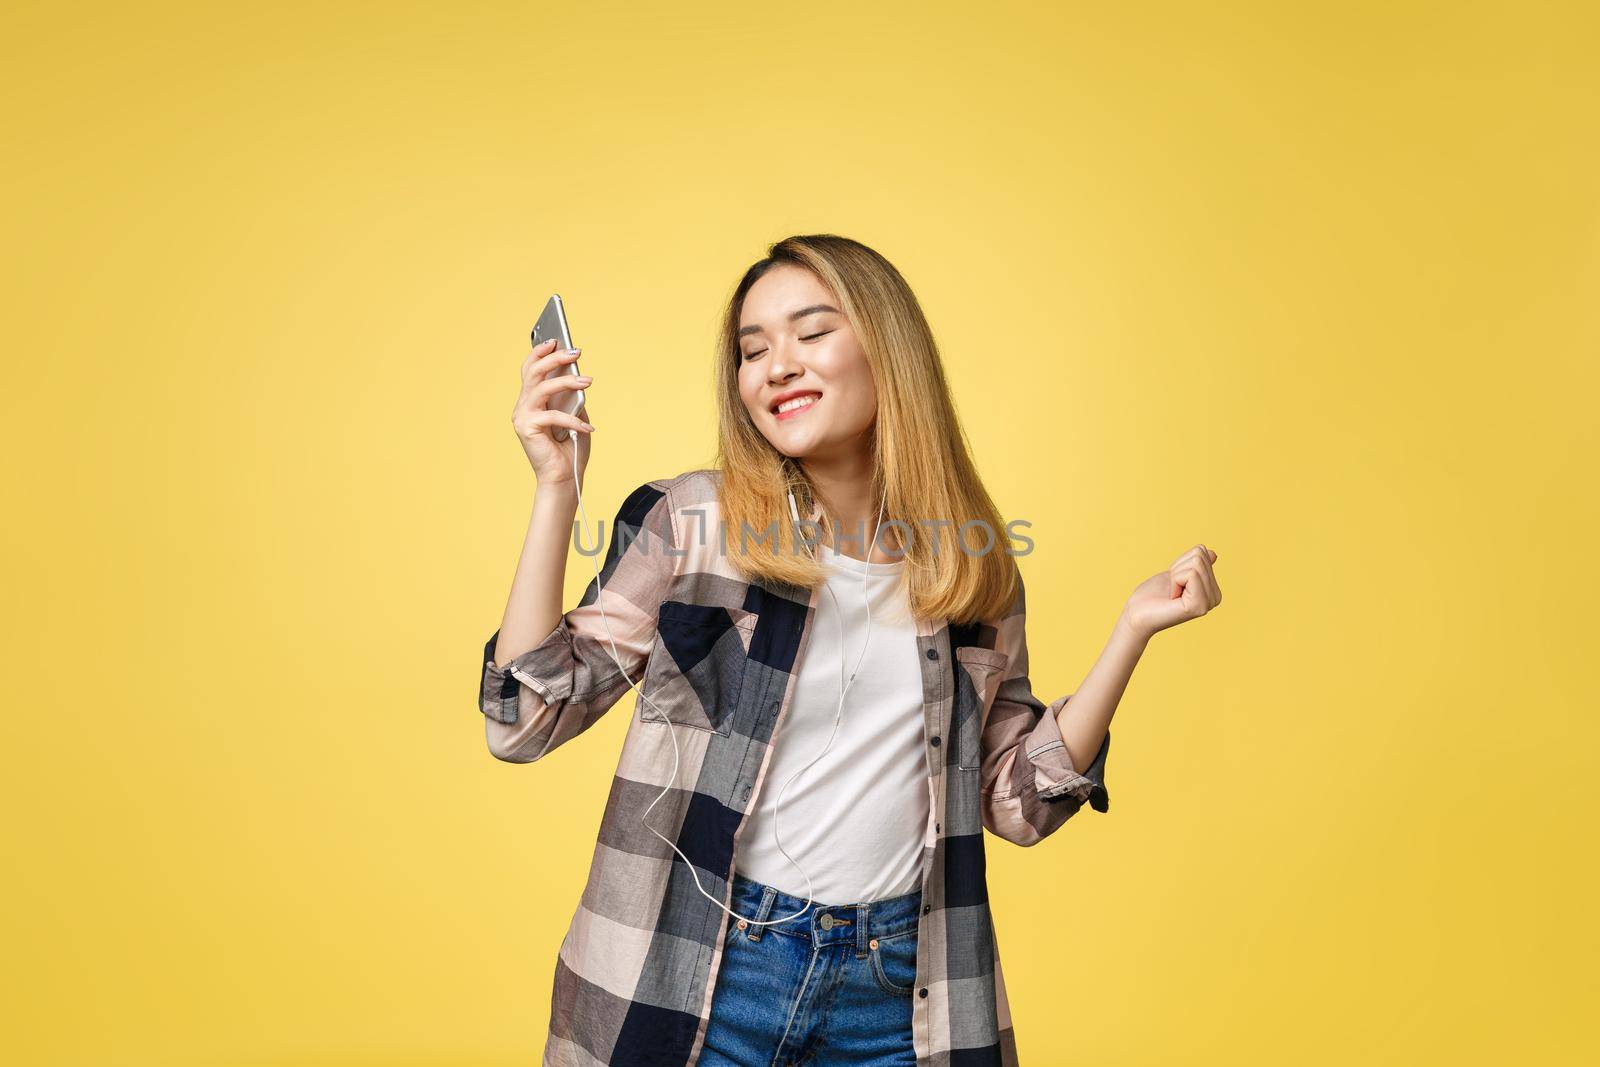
781,366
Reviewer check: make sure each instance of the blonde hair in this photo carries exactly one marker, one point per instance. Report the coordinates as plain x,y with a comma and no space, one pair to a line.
923,467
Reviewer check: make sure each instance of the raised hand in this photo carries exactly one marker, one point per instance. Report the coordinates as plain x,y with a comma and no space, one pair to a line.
549,435
1186,590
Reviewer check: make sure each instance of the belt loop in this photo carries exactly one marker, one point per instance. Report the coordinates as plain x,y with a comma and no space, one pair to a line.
762,911
861,930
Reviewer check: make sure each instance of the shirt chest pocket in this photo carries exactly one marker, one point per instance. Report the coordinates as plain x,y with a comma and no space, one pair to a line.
697,665
979,673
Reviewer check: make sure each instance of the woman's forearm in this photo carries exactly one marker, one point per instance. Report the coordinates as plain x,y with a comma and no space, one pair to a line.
535,605
1085,718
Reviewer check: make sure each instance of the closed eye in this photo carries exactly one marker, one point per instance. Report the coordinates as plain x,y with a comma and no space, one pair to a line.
807,337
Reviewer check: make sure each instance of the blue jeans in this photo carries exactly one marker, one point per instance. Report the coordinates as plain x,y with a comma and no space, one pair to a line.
833,986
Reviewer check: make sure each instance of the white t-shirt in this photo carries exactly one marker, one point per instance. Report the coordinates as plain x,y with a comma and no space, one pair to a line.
855,819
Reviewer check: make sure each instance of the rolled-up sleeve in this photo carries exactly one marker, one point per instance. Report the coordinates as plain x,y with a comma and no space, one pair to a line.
1030,786
559,688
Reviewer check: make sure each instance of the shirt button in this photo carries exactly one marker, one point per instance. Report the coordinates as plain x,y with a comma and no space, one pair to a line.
744,793
937,828
935,740
927,908
933,653
922,992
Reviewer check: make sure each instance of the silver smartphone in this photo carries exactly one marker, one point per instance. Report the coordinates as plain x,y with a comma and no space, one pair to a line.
553,323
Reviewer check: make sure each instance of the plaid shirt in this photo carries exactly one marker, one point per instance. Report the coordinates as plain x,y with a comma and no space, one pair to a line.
636,972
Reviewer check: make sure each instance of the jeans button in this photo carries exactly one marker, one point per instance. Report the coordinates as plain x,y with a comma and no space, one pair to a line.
826,922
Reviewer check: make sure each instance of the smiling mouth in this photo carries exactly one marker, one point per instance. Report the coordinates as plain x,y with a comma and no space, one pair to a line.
796,406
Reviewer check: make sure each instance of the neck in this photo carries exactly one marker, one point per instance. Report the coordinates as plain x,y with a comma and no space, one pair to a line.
852,512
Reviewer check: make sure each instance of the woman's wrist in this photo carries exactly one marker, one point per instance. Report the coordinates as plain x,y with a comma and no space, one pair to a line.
1127,634
556,492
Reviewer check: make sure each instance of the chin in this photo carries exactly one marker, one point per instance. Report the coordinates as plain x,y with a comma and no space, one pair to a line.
792,451
795,446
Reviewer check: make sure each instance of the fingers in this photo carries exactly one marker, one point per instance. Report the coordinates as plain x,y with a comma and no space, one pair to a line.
1206,557
538,366
538,420
543,348
543,360
1211,583
1184,576
1198,552
543,375
1201,558
1199,589
1196,597
539,395
1176,578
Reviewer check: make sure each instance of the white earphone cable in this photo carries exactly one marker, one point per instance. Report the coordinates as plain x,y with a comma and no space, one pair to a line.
844,686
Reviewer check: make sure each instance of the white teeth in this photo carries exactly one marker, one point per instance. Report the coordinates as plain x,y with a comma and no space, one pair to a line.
797,402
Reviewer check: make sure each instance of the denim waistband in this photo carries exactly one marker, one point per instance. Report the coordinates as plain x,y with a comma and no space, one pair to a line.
822,924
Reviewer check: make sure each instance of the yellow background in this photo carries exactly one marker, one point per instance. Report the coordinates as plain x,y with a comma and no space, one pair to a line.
1312,284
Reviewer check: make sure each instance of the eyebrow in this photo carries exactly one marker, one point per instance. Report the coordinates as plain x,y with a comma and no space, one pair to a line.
811,309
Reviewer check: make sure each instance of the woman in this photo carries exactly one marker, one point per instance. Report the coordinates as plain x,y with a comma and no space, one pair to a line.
872,655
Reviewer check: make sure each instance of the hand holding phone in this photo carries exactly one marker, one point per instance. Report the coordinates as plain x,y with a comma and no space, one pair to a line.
550,407
552,325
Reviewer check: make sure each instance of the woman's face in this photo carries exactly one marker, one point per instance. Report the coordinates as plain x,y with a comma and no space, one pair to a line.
794,345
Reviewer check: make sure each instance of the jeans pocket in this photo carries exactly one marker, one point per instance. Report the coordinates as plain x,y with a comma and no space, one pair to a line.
894,963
